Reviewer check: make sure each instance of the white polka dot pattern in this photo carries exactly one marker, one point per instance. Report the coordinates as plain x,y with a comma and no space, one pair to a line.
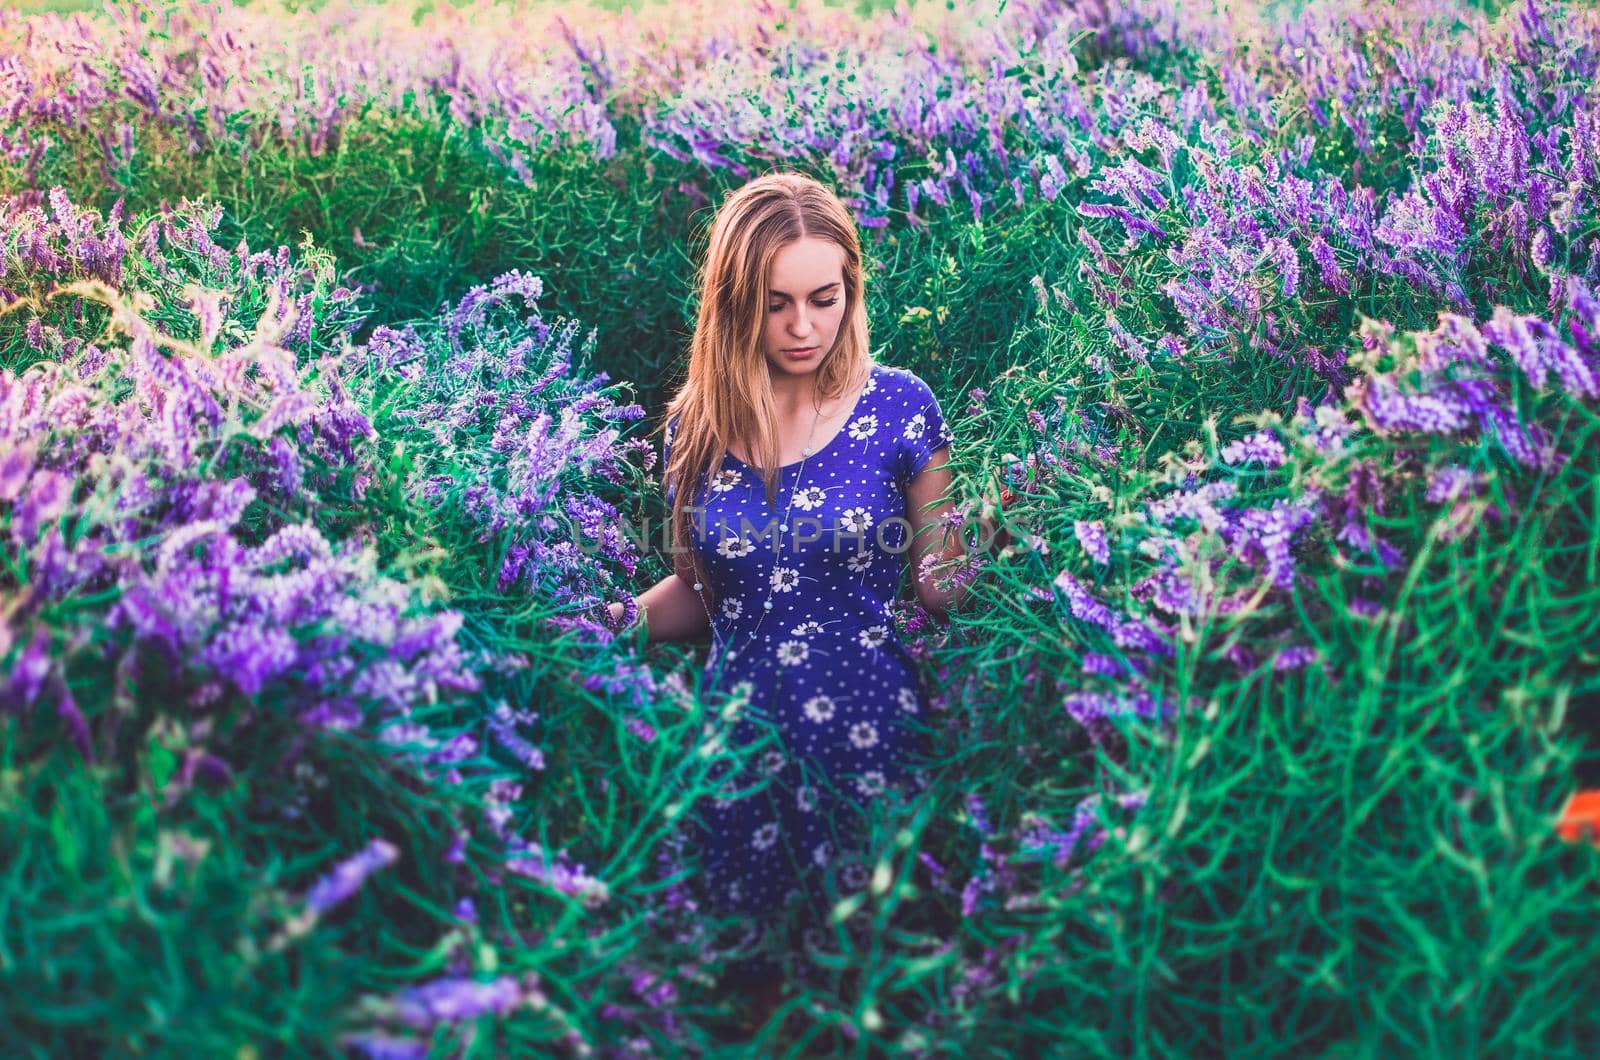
822,663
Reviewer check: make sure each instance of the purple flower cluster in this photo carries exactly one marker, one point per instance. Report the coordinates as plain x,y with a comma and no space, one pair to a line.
66,241
1221,550
1246,242
50,241
527,858
1262,447
1091,534
513,449
1447,382
210,78
1038,838
1211,539
964,107
454,1000
196,525
447,1000
1130,634
348,876
113,490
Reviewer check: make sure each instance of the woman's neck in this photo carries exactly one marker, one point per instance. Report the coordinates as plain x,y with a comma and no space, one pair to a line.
795,394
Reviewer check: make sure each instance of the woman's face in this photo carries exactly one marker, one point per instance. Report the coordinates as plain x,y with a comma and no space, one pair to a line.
805,305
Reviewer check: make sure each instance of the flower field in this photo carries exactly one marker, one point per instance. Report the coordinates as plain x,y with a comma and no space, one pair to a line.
333,347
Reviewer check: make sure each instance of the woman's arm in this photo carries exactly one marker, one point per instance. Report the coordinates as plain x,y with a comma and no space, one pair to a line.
935,543
670,610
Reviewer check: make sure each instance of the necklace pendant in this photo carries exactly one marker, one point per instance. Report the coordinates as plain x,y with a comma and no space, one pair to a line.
805,452
766,605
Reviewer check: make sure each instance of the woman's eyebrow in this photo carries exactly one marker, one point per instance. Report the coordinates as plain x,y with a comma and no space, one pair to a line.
819,290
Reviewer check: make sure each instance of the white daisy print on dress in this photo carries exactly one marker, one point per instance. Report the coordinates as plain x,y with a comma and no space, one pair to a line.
915,426
864,734
873,636
871,783
771,762
809,498
805,797
859,561
908,701
732,607
819,708
793,652
863,427
853,876
784,579
734,547
822,853
723,481
855,520
806,629
872,384
765,836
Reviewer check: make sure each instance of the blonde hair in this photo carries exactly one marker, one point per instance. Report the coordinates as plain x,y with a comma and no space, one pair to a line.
727,396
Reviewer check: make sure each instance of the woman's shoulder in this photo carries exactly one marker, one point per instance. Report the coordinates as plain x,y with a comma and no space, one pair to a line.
901,388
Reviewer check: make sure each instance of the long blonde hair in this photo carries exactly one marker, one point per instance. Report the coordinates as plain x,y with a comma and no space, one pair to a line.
727,396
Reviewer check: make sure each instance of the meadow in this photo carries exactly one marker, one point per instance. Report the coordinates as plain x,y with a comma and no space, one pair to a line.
333,344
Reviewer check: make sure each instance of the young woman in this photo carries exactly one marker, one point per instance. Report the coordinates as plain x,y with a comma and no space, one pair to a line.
820,477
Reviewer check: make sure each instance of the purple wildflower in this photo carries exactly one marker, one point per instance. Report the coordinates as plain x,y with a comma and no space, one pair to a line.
1283,257
348,876
529,859
1091,534
452,1000
28,673
1328,268
1449,482
1262,447
386,1047
1539,351
49,495
1294,658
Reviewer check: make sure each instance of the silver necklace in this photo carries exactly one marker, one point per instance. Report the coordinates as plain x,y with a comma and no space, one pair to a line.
783,528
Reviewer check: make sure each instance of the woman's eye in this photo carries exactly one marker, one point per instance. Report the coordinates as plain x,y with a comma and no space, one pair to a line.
820,305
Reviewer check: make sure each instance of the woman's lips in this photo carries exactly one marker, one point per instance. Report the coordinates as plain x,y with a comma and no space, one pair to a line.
800,354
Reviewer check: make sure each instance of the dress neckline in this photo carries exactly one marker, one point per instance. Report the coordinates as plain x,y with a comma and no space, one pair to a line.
861,396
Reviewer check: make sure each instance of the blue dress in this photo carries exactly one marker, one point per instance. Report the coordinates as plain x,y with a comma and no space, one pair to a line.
823,664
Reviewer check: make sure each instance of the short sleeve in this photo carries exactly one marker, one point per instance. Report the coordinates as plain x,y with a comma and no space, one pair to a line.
923,430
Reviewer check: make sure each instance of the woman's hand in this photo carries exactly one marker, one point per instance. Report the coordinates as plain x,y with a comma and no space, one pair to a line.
668,610
993,537
996,536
